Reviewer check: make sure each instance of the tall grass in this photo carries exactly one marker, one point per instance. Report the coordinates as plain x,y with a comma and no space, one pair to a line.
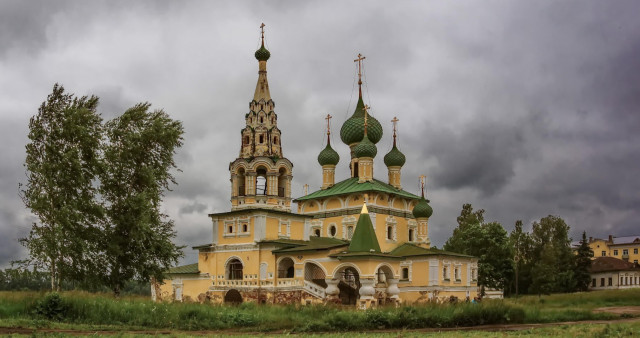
136,312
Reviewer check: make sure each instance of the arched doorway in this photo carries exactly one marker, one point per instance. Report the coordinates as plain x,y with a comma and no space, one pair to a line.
261,181
234,269
233,296
285,268
349,285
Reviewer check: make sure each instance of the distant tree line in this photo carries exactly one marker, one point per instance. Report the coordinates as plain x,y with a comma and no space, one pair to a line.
540,262
22,279
96,189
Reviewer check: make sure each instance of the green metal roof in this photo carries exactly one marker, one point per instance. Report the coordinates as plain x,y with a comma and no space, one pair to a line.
351,185
314,243
410,249
364,237
184,269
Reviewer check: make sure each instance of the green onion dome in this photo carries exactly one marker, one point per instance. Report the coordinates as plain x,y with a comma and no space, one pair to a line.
394,158
422,209
365,148
352,130
262,54
328,156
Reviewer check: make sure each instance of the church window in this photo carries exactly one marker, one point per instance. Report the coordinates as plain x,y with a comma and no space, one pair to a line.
234,269
601,281
457,273
240,182
635,251
610,281
261,138
246,140
405,273
332,231
615,252
349,232
317,232
282,181
625,251
355,169
261,118
604,253
389,232
445,273
230,229
245,227
410,235
275,140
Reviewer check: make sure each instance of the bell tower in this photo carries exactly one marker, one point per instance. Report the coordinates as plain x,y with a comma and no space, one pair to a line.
261,176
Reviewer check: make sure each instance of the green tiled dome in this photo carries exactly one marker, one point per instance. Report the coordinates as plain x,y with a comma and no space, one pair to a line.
352,130
365,148
422,209
262,54
328,156
394,158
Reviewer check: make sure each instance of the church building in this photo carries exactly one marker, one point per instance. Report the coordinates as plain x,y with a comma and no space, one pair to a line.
361,241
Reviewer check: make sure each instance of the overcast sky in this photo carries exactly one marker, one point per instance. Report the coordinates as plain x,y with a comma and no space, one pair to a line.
524,108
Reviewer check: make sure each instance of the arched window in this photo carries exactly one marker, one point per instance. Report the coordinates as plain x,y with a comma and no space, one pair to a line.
234,269
275,140
317,232
261,118
349,232
282,182
246,140
245,227
405,273
261,138
261,182
285,268
240,182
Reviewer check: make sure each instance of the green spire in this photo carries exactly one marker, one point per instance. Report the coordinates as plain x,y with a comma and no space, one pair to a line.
364,237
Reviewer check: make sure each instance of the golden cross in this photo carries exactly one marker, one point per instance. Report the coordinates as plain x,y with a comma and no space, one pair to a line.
328,127
395,123
366,113
359,61
262,32
306,189
422,183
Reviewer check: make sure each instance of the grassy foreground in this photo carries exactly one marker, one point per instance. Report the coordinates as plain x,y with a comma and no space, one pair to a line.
86,311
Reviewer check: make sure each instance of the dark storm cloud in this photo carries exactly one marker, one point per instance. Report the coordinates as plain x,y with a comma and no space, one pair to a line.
522,108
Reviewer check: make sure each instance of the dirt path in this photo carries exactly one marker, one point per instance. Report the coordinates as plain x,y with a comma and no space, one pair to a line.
632,310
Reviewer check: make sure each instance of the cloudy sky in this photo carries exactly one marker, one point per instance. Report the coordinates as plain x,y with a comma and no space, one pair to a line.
524,108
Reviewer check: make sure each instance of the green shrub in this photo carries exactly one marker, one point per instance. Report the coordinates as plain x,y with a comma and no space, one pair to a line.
52,307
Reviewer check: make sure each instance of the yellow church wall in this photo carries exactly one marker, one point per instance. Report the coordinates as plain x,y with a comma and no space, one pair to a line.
333,203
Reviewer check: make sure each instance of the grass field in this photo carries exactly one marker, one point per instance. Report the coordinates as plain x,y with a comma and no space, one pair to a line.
99,312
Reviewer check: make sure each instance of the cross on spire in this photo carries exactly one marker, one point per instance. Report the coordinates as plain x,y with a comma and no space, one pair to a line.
262,32
395,125
359,61
422,184
328,128
366,113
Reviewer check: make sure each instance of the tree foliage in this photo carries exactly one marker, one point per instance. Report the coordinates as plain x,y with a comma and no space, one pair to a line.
138,158
583,264
96,190
62,163
488,242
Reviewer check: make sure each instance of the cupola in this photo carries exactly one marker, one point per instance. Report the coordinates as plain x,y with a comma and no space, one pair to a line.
328,159
394,160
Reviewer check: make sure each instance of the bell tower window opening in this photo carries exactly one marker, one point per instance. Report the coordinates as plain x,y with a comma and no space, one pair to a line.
261,138
275,140
355,169
261,182
241,182
282,182
246,140
261,118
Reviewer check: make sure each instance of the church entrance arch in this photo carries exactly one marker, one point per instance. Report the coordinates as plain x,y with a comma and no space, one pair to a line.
233,296
285,268
349,284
